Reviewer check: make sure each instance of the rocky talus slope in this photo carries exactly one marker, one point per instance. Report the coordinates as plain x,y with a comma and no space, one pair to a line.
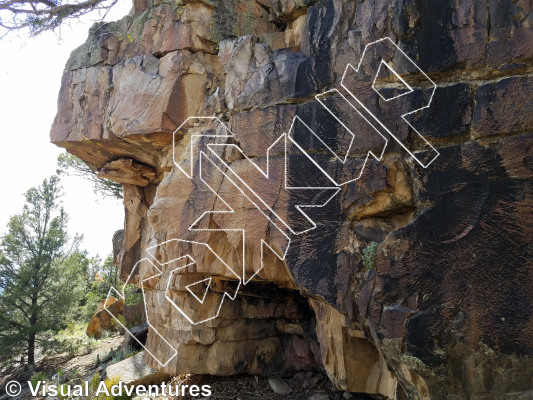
444,310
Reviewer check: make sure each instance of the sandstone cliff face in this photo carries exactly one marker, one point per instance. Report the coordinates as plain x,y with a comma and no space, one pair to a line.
444,309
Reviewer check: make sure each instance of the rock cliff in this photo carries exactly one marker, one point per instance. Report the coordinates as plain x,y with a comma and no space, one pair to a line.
413,281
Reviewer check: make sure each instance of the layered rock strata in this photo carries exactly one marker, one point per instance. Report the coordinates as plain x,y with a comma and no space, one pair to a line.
416,282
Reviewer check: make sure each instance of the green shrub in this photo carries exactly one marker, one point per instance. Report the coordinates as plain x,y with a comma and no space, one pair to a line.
369,255
95,382
60,373
119,321
120,354
133,295
62,389
37,377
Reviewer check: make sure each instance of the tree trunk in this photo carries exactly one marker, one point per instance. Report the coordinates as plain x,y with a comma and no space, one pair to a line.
31,349
32,335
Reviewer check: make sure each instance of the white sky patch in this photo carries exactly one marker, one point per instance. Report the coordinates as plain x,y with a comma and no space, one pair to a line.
30,78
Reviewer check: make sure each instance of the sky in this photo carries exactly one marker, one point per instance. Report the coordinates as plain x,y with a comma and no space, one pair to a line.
30,78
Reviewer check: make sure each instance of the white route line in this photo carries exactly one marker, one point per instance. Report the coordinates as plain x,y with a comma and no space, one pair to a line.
280,256
188,287
266,174
381,64
176,270
275,221
390,42
121,295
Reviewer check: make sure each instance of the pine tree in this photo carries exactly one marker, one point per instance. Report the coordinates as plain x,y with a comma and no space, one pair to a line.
71,165
38,287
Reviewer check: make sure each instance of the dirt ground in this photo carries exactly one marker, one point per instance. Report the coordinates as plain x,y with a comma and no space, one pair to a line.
304,385
84,365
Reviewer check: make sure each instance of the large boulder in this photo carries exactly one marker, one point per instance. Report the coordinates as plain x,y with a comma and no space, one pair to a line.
412,281
103,319
133,371
135,338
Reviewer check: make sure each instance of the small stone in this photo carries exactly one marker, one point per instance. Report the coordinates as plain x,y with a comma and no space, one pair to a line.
300,376
279,386
289,328
319,396
311,382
